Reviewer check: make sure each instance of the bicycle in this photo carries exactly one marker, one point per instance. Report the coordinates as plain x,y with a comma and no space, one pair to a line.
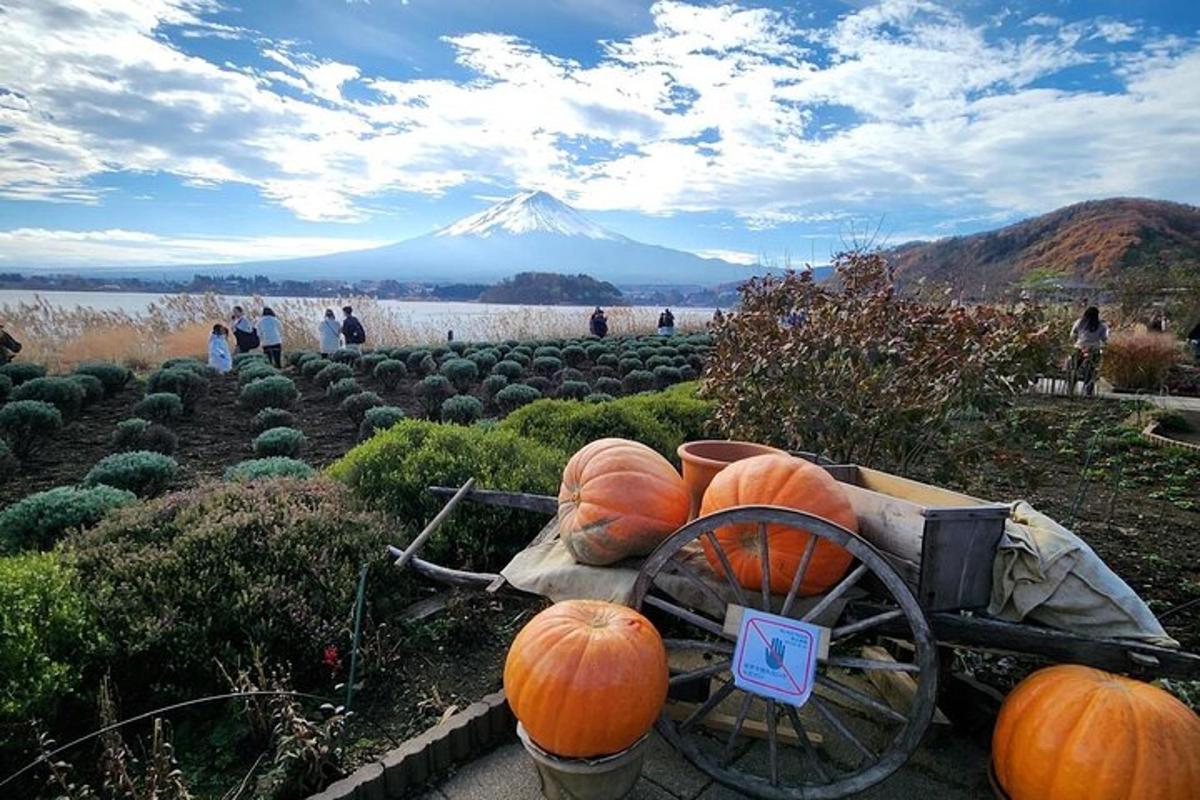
1085,367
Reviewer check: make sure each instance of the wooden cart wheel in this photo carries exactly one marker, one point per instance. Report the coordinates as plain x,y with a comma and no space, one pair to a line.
844,739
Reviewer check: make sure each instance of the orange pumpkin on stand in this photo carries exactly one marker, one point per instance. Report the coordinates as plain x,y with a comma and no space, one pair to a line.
779,480
618,499
1077,733
586,678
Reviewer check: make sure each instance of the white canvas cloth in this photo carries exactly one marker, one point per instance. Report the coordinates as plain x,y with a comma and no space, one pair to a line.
1045,573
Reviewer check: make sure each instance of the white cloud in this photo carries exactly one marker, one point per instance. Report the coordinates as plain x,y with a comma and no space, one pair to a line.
716,108
732,256
119,247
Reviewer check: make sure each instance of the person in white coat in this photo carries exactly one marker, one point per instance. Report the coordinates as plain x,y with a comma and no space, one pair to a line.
331,334
219,357
271,333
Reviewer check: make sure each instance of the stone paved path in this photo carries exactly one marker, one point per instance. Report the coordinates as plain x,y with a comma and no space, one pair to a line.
946,767
1045,386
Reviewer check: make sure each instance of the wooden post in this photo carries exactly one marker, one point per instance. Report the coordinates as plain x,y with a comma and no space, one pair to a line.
434,524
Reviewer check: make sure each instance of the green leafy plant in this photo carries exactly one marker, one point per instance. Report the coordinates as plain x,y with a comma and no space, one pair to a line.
191,365
159,407
279,442
377,419
393,470
389,373
142,472
461,372
462,410
5,387
312,367
258,469
276,391
8,462
370,361
332,373
114,377
598,397
92,388
574,390
432,391
346,356
509,369
493,384
63,393
254,371
357,405
243,360
38,521
547,351
187,384
339,390
273,418
546,365
141,434
414,361
485,359
26,424
667,376
568,425
20,371
515,395
639,380
607,386
628,365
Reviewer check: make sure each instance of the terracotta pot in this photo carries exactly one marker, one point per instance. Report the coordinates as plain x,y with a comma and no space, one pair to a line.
704,459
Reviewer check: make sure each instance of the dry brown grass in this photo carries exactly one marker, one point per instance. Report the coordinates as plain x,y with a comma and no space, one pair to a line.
1139,360
179,325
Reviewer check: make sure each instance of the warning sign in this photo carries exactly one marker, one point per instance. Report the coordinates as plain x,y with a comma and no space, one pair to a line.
776,657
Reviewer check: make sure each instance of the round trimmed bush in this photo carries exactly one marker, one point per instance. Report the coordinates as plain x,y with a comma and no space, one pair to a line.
257,469
312,367
188,385
519,358
432,391
547,351
574,390
574,355
639,380
187,362
142,472
543,385
485,359
568,374
492,384
546,365
428,366
515,395
243,360
38,521
159,407
607,386
462,372
598,397
414,359
25,424
93,389
140,434
63,393
462,410
277,391
279,442
6,387
332,373
390,372
273,418
628,365
296,357
255,371
687,373
509,369
114,377
370,361
357,405
457,347
341,389
594,351
378,419
20,371
666,376
608,360
654,362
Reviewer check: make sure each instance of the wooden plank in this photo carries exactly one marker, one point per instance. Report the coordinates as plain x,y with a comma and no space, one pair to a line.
956,562
920,494
894,526
896,688
723,723
434,524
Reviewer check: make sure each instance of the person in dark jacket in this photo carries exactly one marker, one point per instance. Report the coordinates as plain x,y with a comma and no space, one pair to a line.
244,332
352,330
666,323
598,323
9,347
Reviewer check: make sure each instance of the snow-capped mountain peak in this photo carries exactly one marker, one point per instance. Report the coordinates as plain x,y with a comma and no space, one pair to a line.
528,212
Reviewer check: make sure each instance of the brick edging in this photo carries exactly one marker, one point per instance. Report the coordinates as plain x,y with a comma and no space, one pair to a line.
1151,434
456,739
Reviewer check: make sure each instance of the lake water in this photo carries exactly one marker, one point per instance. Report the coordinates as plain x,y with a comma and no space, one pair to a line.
467,320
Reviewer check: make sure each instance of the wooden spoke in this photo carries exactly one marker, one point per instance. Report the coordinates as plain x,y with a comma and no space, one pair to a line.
798,578
847,662
714,700
833,594
859,697
687,571
773,742
687,616
864,624
841,728
703,672
725,565
724,648
810,752
764,558
747,699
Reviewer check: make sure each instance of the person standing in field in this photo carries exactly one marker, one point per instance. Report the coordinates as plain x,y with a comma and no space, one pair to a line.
244,332
717,318
272,337
9,347
352,330
666,323
219,357
331,334
598,324
1089,335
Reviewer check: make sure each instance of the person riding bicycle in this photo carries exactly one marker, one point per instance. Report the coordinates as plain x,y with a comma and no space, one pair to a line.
1089,335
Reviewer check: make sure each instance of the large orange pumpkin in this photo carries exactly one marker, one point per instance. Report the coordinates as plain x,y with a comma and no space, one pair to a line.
618,498
586,678
1072,732
779,480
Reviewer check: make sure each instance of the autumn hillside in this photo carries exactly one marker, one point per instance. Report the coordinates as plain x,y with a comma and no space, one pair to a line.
1088,243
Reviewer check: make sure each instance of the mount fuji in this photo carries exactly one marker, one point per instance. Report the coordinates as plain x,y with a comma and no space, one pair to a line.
531,231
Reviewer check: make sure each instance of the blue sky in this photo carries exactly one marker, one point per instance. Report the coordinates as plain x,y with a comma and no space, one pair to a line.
184,131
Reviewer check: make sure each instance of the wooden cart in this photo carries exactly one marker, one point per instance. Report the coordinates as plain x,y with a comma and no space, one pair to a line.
920,579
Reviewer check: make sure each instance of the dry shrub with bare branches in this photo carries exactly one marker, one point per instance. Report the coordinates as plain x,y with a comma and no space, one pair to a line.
179,325
1140,361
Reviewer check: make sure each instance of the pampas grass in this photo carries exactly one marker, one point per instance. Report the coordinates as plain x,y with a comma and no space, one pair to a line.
1139,361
